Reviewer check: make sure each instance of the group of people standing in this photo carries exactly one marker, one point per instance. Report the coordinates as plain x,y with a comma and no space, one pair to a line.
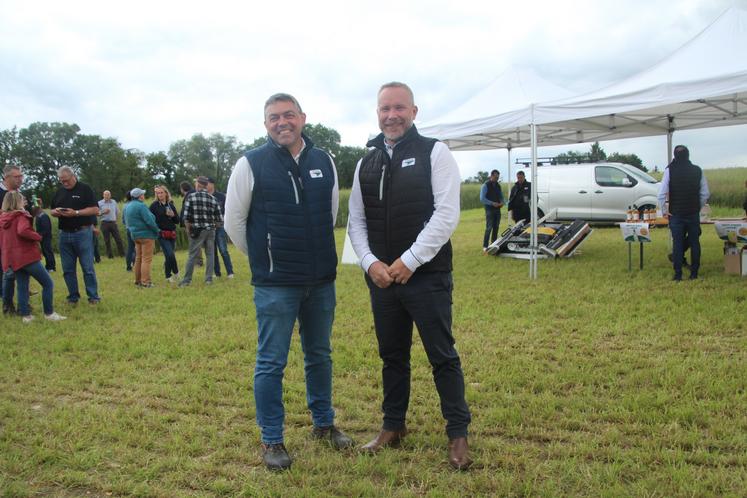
201,215
78,213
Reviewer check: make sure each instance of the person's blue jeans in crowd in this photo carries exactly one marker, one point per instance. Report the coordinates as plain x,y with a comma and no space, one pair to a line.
41,275
221,245
9,288
277,311
168,246
130,256
685,227
78,246
492,223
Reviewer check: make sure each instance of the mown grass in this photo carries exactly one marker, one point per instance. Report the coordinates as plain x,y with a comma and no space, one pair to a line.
591,381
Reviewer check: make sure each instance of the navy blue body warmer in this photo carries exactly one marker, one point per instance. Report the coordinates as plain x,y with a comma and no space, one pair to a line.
290,232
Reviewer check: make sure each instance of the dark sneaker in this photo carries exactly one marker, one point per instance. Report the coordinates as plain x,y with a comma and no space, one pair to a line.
336,438
9,309
275,456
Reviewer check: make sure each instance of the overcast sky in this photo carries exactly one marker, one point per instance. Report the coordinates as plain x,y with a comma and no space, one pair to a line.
150,73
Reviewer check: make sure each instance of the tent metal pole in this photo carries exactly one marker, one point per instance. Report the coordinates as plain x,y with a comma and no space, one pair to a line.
533,205
508,149
670,134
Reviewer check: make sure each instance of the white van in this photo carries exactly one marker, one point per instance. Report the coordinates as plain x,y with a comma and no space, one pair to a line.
594,191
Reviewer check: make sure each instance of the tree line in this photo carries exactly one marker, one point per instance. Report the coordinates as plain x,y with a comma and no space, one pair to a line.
104,164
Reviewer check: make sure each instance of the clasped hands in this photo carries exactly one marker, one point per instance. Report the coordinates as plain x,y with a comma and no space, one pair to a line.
384,275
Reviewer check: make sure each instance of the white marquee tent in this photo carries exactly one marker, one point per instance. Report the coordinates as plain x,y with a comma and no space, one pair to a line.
702,84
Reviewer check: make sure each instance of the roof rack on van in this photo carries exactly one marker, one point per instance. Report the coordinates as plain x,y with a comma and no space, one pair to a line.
554,160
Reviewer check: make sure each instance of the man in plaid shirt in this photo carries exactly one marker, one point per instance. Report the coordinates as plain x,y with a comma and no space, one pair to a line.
201,216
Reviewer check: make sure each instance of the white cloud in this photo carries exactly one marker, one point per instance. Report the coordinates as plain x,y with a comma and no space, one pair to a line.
151,73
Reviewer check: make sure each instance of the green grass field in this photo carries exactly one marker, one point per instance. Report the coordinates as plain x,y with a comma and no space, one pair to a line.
591,381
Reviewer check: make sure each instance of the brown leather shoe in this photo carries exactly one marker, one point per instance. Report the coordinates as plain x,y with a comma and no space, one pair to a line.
459,453
385,439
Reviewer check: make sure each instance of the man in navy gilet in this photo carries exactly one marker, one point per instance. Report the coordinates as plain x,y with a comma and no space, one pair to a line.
404,206
685,185
491,196
281,207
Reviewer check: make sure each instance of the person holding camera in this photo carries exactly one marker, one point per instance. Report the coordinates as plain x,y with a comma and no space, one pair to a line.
166,218
75,207
201,217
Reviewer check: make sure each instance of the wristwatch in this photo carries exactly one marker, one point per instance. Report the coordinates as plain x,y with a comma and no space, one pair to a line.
77,213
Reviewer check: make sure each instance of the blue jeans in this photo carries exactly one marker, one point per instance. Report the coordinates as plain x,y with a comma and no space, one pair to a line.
9,287
78,246
277,311
492,222
168,246
130,256
683,227
41,275
221,245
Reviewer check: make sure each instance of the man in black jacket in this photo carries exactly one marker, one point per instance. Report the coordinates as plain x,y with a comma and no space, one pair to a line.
520,198
404,206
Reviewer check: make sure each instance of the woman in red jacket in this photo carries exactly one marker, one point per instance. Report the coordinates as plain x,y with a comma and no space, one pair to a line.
21,252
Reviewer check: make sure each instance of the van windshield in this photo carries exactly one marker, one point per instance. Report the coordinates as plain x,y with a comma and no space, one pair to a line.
640,174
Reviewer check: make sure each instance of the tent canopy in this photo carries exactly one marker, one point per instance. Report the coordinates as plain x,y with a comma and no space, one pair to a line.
702,84
494,110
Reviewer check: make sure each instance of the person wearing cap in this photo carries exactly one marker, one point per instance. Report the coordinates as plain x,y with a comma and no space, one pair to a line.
75,207
221,242
201,217
142,225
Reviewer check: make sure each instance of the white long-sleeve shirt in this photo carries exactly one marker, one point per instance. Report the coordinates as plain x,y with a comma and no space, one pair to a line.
446,185
239,200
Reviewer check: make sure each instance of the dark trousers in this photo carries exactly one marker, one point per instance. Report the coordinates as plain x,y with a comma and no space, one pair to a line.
130,256
96,253
426,301
168,247
492,222
46,249
682,228
110,229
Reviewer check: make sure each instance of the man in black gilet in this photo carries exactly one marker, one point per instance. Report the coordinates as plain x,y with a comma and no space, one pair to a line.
687,189
404,206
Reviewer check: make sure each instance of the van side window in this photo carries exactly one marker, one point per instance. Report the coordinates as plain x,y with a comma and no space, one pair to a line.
608,176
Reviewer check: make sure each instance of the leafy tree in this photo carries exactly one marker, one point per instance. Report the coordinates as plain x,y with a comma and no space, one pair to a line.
212,156
630,159
346,161
162,170
8,144
480,178
41,149
597,152
104,165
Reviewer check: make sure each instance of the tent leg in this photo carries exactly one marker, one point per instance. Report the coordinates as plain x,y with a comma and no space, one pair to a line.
533,207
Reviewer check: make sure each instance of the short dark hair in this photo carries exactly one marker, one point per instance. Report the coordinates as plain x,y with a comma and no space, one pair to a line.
681,153
185,186
495,172
282,97
520,173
